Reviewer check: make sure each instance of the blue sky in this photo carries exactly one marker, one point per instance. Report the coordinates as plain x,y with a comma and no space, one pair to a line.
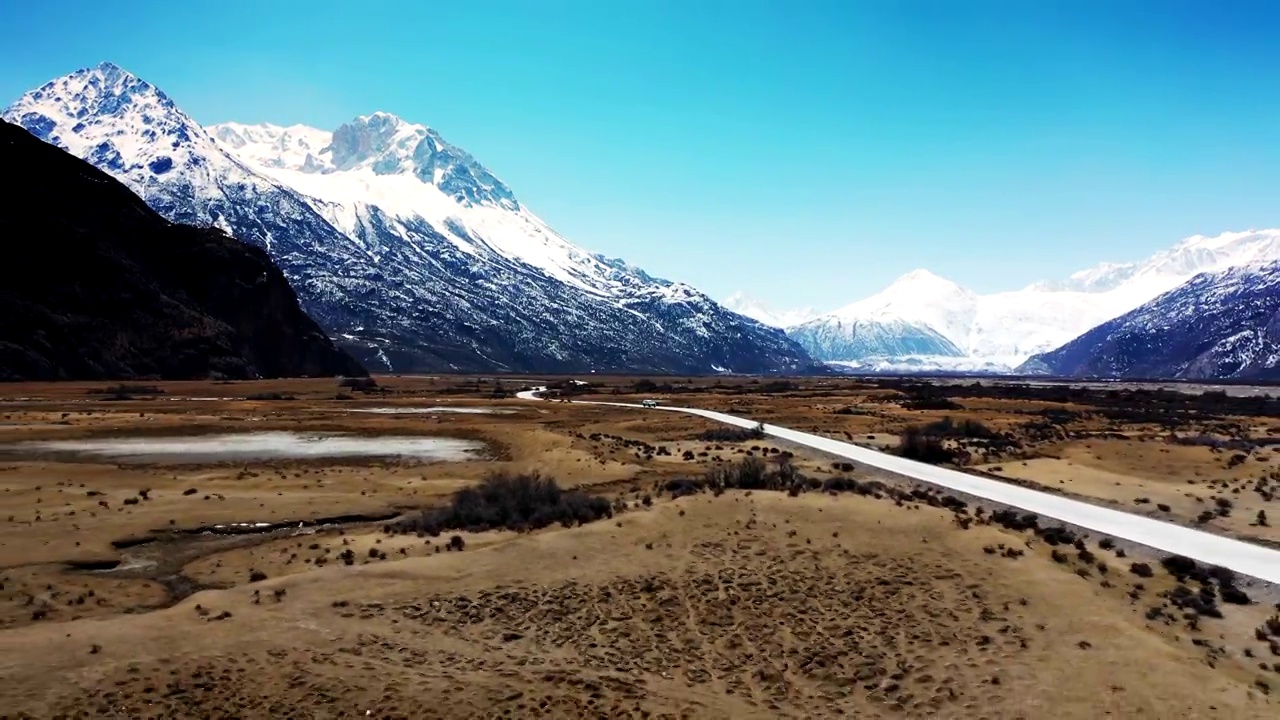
804,152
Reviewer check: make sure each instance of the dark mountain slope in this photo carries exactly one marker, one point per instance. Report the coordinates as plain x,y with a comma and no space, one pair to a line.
100,286
1222,325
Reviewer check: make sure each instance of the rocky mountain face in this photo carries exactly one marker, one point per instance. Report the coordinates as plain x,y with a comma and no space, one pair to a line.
411,254
1223,325
105,288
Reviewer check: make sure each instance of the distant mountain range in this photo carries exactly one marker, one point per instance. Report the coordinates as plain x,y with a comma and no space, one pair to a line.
1222,325
101,287
407,250
923,322
744,304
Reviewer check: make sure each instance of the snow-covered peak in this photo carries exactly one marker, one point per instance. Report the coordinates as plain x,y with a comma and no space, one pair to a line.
917,298
743,304
919,293
921,279
379,143
106,89
118,122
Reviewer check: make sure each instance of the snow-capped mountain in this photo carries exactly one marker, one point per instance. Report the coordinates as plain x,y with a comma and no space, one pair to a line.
919,314
1224,324
744,304
401,245
1190,257
105,288
1002,330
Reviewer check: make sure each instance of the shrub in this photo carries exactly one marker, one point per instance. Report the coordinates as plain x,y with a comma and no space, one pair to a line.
1141,569
1235,596
1179,566
930,403
1011,520
126,389
360,384
520,503
948,428
840,484
684,486
269,396
916,444
733,434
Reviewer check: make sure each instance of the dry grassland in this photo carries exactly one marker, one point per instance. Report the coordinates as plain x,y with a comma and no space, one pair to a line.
117,602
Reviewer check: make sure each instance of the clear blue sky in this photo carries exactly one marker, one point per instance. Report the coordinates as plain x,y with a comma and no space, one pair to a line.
805,152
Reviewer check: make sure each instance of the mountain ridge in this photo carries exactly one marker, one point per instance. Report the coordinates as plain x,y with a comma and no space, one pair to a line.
402,246
1222,325
1005,329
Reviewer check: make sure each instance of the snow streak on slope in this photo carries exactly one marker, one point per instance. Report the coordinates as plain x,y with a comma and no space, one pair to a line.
397,242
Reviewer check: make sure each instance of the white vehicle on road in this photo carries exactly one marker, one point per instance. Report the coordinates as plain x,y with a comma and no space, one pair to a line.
649,403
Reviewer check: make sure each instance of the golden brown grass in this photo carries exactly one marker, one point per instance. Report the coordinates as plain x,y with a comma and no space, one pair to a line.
749,604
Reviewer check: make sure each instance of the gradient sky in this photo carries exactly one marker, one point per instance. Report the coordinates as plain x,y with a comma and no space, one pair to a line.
804,152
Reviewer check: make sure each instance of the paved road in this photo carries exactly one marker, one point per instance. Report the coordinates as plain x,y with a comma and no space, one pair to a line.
1245,558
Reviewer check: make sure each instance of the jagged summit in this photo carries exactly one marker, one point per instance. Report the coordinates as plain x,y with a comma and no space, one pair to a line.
122,124
379,143
103,90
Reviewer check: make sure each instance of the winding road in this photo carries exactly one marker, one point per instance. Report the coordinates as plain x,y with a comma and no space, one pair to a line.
1245,558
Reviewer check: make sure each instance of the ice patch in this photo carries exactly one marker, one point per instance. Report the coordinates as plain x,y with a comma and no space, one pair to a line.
431,410
259,446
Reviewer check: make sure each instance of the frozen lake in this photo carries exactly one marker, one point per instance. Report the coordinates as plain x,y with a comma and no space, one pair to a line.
260,446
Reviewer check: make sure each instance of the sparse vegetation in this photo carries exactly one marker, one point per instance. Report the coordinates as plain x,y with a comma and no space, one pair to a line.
732,435
512,502
916,444
126,389
360,384
270,396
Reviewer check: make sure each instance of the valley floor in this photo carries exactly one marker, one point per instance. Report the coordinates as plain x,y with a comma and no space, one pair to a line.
740,604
